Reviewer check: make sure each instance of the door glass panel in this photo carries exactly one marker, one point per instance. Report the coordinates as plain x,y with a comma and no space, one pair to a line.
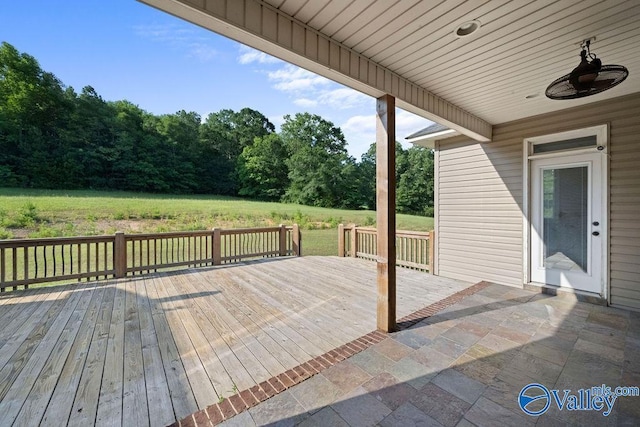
565,215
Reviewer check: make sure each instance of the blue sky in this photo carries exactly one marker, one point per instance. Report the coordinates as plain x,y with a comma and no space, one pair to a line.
128,50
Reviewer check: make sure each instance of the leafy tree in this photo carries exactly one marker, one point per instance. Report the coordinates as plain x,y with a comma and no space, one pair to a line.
368,172
229,131
317,155
90,133
32,108
357,193
415,187
216,167
262,168
224,135
249,124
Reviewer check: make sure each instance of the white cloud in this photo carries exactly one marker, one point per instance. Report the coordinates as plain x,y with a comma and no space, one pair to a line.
202,52
312,90
305,103
344,98
365,124
296,80
249,55
177,37
360,133
171,33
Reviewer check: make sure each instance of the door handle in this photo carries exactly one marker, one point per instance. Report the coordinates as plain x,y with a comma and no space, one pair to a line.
596,233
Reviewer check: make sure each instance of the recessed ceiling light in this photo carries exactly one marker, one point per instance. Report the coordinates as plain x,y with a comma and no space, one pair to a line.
467,28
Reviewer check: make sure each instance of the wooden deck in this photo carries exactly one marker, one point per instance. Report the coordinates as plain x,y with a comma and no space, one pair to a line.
152,349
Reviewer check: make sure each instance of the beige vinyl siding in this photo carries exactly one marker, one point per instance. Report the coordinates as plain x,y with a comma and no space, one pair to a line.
479,215
479,198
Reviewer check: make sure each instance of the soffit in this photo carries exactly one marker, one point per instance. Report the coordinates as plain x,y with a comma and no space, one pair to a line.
520,48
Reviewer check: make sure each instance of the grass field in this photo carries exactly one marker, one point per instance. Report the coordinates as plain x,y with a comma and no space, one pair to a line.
47,213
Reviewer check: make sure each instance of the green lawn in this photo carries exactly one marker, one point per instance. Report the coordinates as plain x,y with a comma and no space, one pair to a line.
47,213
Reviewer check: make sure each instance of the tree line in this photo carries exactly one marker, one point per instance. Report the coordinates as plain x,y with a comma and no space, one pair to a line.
55,138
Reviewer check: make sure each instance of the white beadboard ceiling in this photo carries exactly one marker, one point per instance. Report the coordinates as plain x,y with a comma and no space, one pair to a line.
520,48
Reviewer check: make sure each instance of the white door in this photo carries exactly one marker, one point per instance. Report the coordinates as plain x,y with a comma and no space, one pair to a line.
567,230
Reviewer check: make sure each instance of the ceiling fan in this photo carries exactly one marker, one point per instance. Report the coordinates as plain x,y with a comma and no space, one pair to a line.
588,78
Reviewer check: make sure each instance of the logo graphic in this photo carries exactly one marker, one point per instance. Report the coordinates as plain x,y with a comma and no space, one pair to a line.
533,396
534,399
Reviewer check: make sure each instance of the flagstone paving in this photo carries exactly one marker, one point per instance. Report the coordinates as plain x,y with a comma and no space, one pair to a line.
465,366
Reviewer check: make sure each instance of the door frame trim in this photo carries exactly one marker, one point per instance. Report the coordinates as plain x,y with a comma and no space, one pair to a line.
601,132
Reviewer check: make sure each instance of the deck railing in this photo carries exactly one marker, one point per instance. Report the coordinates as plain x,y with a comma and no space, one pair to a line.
24,262
414,249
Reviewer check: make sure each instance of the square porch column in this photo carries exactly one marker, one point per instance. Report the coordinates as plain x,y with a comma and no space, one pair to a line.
386,211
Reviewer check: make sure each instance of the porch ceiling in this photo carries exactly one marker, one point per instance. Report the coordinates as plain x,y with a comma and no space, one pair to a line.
408,48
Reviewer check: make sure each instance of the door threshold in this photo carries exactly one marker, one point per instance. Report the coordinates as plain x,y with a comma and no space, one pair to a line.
574,294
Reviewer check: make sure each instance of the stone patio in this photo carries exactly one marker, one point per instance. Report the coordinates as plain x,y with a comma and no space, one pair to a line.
466,366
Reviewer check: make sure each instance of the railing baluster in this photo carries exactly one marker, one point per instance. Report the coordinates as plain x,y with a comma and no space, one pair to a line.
14,260
3,263
26,264
55,260
64,260
35,261
71,258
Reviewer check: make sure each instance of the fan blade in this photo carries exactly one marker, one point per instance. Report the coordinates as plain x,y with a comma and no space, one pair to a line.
602,84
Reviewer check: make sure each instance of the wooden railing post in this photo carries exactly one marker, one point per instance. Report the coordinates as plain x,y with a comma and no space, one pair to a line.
431,250
341,240
120,255
283,240
297,241
217,247
354,241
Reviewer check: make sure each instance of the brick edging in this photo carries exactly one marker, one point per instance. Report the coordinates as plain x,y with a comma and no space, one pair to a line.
430,310
245,399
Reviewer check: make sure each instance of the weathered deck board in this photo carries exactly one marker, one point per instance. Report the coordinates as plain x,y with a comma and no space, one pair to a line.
158,396
182,397
134,402
33,408
202,388
16,313
214,335
210,361
110,400
85,405
61,401
152,349
22,386
12,368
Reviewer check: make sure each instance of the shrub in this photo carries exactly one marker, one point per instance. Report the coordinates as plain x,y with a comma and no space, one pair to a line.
304,221
5,234
334,222
27,216
45,231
